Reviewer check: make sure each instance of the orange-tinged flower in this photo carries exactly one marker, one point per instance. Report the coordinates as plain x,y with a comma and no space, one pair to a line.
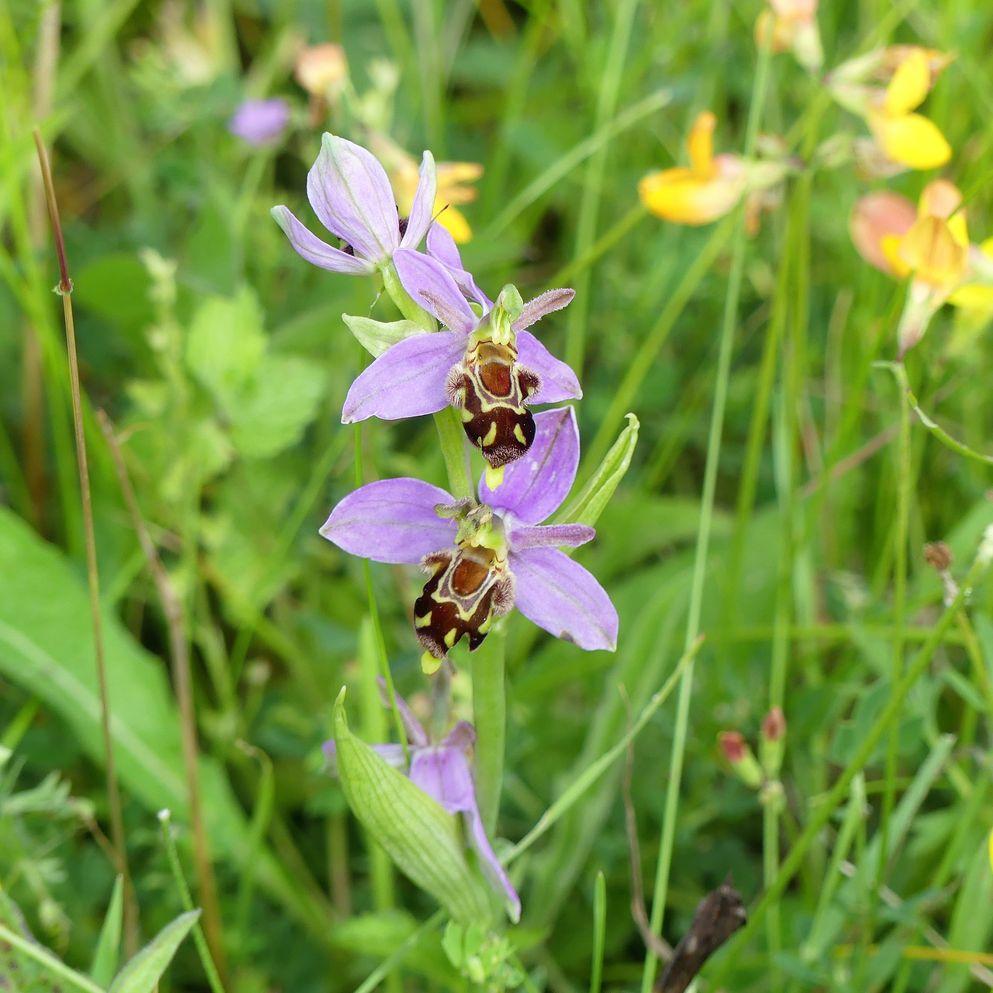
321,69
702,192
791,25
877,226
929,244
454,185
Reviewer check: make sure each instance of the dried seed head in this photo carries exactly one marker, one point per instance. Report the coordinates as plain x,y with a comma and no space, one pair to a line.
938,555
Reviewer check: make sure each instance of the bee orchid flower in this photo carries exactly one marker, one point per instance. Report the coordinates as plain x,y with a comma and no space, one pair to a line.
486,364
444,772
485,557
351,195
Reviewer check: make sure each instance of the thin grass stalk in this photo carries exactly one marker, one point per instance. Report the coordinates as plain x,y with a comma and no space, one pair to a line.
64,290
703,535
589,207
179,657
186,900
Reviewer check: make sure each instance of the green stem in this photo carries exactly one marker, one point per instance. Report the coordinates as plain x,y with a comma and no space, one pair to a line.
489,715
703,537
455,453
186,900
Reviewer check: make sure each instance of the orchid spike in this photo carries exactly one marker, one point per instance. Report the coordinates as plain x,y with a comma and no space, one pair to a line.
485,557
486,365
351,195
444,772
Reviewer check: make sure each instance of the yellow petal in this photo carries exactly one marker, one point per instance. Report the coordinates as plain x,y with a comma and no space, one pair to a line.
909,85
973,297
933,254
890,244
986,247
700,144
681,196
911,140
943,199
454,222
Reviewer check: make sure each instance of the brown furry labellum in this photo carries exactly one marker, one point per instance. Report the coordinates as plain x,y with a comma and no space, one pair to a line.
491,388
465,590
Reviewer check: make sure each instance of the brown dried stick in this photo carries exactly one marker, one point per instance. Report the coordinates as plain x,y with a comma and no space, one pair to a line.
179,656
64,290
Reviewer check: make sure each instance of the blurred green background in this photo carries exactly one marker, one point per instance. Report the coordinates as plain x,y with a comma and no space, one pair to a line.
221,358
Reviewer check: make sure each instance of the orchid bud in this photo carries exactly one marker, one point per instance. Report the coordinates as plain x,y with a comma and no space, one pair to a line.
773,741
741,758
322,69
419,835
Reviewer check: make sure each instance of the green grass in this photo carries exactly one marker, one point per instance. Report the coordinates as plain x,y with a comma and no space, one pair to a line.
785,481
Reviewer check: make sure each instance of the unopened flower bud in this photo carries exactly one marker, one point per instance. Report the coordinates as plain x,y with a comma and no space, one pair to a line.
740,757
774,725
773,741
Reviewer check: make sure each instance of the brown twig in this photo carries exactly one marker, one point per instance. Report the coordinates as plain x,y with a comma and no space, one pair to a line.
92,572
659,946
718,915
179,656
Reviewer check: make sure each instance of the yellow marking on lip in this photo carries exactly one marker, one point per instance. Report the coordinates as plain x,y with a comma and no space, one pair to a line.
519,434
423,622
450,637
490,436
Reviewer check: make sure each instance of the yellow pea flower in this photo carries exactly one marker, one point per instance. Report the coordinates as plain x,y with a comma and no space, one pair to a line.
455,187
703,191
906,137
929,244
886,87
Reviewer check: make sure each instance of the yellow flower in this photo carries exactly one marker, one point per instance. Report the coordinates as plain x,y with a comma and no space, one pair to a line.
906,137
936,248
702,192
454,185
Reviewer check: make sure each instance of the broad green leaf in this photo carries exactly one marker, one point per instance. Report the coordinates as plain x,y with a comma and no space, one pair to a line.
226,344
971,922
588,504
144,971
271,412
46,649
377,336
107,952
422,838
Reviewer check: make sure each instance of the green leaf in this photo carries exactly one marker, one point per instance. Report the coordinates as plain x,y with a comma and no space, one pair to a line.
46,649
144,971
272,412
586,507
108,948
422,838
226,344
377,336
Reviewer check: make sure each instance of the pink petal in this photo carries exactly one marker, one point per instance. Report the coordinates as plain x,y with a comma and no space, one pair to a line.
558,381
535,485
565,599
315,251
407,380
432,286
392,520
